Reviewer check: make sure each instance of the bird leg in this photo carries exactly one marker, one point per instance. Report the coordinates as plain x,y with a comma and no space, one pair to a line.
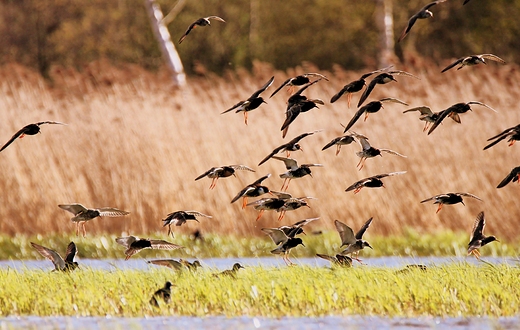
260,215
512,142
244,202
77,228
213,183
245,117
288,261
170,230
358,189
349,97
476,253
21,136
338,149
426,125
282,214
84,230
366,116
439,208
362,163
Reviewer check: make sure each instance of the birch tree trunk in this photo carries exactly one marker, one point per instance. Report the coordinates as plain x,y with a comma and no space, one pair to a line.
168,50
385,24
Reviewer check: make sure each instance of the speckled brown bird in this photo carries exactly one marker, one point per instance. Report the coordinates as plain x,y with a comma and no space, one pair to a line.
292,145
294,171
230,272
83,214
285,243
299,80
254,189
337,260
163,294
341,141
203,21
353,243
178,218
381,79
429,117
371,107
367,151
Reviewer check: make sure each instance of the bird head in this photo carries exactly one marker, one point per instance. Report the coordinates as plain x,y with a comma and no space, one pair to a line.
366,244
298,241
237,266
168,284
297,146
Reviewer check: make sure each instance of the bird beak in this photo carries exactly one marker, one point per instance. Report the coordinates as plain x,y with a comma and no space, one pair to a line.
463,203
369,246
303,244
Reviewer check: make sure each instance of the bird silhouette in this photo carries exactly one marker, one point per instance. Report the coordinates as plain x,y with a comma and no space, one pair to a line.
31,129
203,21
473,60
421,14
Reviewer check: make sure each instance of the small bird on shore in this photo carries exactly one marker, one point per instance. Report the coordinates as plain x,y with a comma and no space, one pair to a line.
341,141
369,108
230,272
254,189
178,218
353,243
449,199
83,214
31,129
371,182
421,14
514,176
429,117
222,172
367,151
253,102
478,239
292,145
298,81
381,79
134,245
285,243
163,294
60,264
337,260
473,60
455,110
203,21
355,86
512,133
294,171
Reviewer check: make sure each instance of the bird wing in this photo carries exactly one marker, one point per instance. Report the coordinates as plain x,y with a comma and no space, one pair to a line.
301,136
259,181
216,18
50,254
191,27
263,88
290,163
71,252
357,184
339,94
453,64
443,114
126,241
493,58
277,235
408,27
392,152
367,91
207,172
327,257
424,110
14,137
478,227
305,87
170,263
235,106
402,73
163,245
388,174
280,87
302,223
73,208
346,234
394,100
482,104
432,4
363,142
368,74
333,142
434,198
282,195
316,75
241,168
111,212
50,122
291,114
359,234
514,172
242,193
469,195
312,165
198,214
354,119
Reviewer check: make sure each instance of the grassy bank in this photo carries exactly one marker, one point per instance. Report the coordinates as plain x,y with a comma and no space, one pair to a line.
455,290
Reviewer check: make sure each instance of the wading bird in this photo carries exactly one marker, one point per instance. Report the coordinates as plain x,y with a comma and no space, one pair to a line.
367,151
282,203
82,214
455,110
285,243
371,182
449,199
59,264
473,60
514,176
31,129
253,102
178,218
254,189
421,14
478,239
298,81
337,260
134,245
294,171
429,117
341,141
353,243
292,145
369,108
512,133
163,293
230,272
222,172
176,265
381,79
297,227
203,21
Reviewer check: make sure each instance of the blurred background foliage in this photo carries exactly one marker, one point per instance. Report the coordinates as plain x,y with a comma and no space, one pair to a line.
72,33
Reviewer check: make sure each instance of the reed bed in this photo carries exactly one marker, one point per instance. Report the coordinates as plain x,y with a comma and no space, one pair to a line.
454,290
136,143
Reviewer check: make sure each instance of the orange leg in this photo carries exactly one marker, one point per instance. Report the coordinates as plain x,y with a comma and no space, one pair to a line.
338,149
358,189
282,214
362,163
512,142
84,230
245,117
22,136
244,202
349,98
288,182
213,183
366,116
439,208
77,228
426,125
260,215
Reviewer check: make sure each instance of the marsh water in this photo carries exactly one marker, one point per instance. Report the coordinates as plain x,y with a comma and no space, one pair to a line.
246,322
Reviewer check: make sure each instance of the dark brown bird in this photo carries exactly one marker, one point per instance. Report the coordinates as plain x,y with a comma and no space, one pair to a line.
296,228
285,243
421,14
230,272
294,171
337,260
512,133
381,79
203,21
473,60
355,86
222,172
254,189
31,129
163,293
455,110
134,245
176,265
82,214
353,243
367,151
282,203
514,176
371,107
178,218
478,239
253,102
371,182
340,141
59,264
298,81
429,117
449,199
292,145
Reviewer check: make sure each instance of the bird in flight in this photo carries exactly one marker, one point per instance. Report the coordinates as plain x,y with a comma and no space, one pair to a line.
454,112
82,214
354,243
222,172
292,145
473,60
421,14
478,239
31,129
371,182
449,199
59,263
298,81
203,21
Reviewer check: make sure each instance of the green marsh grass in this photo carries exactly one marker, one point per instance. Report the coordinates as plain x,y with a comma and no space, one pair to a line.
454,290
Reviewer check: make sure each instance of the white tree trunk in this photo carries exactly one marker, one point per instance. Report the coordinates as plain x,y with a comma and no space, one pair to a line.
385,23
165,42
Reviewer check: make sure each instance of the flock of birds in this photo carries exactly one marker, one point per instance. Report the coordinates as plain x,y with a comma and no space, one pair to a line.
285,237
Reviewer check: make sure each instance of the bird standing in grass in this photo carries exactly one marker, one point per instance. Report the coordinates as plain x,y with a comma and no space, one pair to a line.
82,214
163,294
178,218
230,272
134,245
59,263
421,14
31,129
449,199
222,172
353,243
478,239
203,21
337,260
176,265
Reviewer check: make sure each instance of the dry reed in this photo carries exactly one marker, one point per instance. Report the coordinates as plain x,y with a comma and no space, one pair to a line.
136,143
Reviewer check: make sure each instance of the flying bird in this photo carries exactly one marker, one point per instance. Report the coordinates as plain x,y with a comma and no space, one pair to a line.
421,14
134,245
222,172
292,145
282,203
367,151
473,60
297,227
478,239
341,141
514,176
203,21
371,182
454,111
353,243
178,218
82,214
381,79
163,293
355,86
285,243
253,102
512,133
429,117
31,129
449,199
59,263
294,171
369,108
254,189
298,81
